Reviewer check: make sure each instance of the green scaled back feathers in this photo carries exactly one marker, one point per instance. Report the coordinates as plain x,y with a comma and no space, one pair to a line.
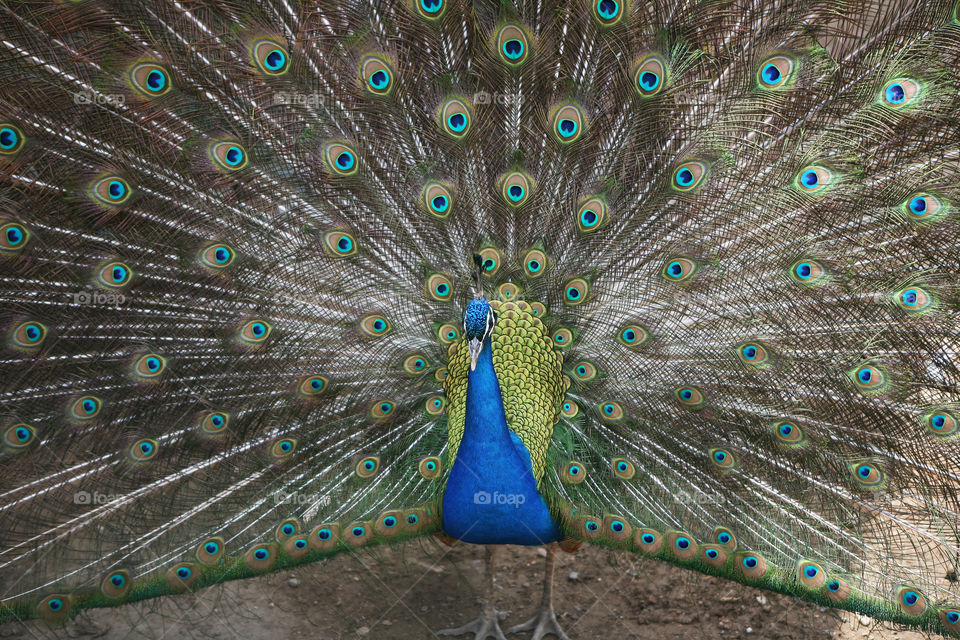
237,243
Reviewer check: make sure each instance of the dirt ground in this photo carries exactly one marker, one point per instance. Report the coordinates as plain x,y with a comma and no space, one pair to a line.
413,590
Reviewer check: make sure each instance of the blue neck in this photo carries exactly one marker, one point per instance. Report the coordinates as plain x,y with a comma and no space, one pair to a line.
491,495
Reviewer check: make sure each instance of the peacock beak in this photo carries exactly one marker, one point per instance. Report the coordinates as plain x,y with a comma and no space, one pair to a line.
475,346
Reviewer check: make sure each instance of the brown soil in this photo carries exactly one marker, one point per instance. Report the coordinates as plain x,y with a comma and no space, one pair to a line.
413,590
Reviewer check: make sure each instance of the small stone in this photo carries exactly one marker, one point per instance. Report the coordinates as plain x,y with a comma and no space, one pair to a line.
386,623
363,631
542,552
573,577
293,582
864,620
762,599
749,630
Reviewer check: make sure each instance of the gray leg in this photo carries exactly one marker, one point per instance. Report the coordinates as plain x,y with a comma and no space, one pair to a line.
545,622
488,624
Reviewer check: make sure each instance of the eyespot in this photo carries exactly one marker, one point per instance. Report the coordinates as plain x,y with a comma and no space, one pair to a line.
115,584
217,256
515,188
377,75
868,475
490,261
808,272
181,576
751,565
341,158
112,191
649,76
753,354
835,589
287,528
438,199
114,275
441,374
723,459
623,468
869,378
439,287
681,545
607,12
562,337
617,529
374,325
312,386
430,467
455,117
85,408
951,617
942,423
592,215
568,123
13,237
210,550
589,527
814,179
570,409
632,336
18,437
415,364
214,422
914,300
283,448
11,139
775,72
260,557
513,45
414,520
535,263
143,450
388,523
584,371
54,608
574,473
270,57
789,433
690,175
648,541
679,269
575,291
339,244
150,365
255,331
382,409
448,333
713,556
149,79
810,574
324,537
28,335
508,291
435,405
430,9
725,538
900,93
690,396
911,601
356,534
227,155
923,206
611,411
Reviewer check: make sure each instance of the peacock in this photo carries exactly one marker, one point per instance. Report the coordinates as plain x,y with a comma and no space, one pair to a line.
283,279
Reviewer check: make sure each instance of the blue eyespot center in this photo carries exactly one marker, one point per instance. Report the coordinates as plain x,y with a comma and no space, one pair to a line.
683,543
833,585
117,580
723,538
513,49
648,80
617,526
440,204
183,573
804,270
750,562
300,544
953,617
648,538
8,138
234,156
345,160
357,532
156,80
809,179
685,177
592,526
412,519
261,554
588,217
865,375
389,521
918,205
324,534
910,598
431,6
379,79
275,60
457,122
211,547
607,9
566,127
712,554
895,93
811,572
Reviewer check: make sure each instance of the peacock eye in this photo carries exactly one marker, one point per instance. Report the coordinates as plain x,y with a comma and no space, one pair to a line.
341,158
515,188
455,117
110,190
11,139
568,123
649,75
377,75
512,45
149,79
690,175
607,12
270,57
775,72
900,93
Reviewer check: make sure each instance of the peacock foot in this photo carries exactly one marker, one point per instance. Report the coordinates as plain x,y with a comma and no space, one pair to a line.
543,624
486,626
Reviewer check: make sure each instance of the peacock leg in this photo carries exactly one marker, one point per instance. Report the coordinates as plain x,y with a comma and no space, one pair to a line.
488,624
545,622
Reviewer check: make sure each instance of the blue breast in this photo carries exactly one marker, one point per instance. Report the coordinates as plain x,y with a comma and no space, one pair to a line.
491,496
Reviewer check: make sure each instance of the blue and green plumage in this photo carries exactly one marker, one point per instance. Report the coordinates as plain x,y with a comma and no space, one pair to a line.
719,239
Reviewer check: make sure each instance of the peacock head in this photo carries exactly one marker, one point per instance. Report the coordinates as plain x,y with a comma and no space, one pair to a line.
478,321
